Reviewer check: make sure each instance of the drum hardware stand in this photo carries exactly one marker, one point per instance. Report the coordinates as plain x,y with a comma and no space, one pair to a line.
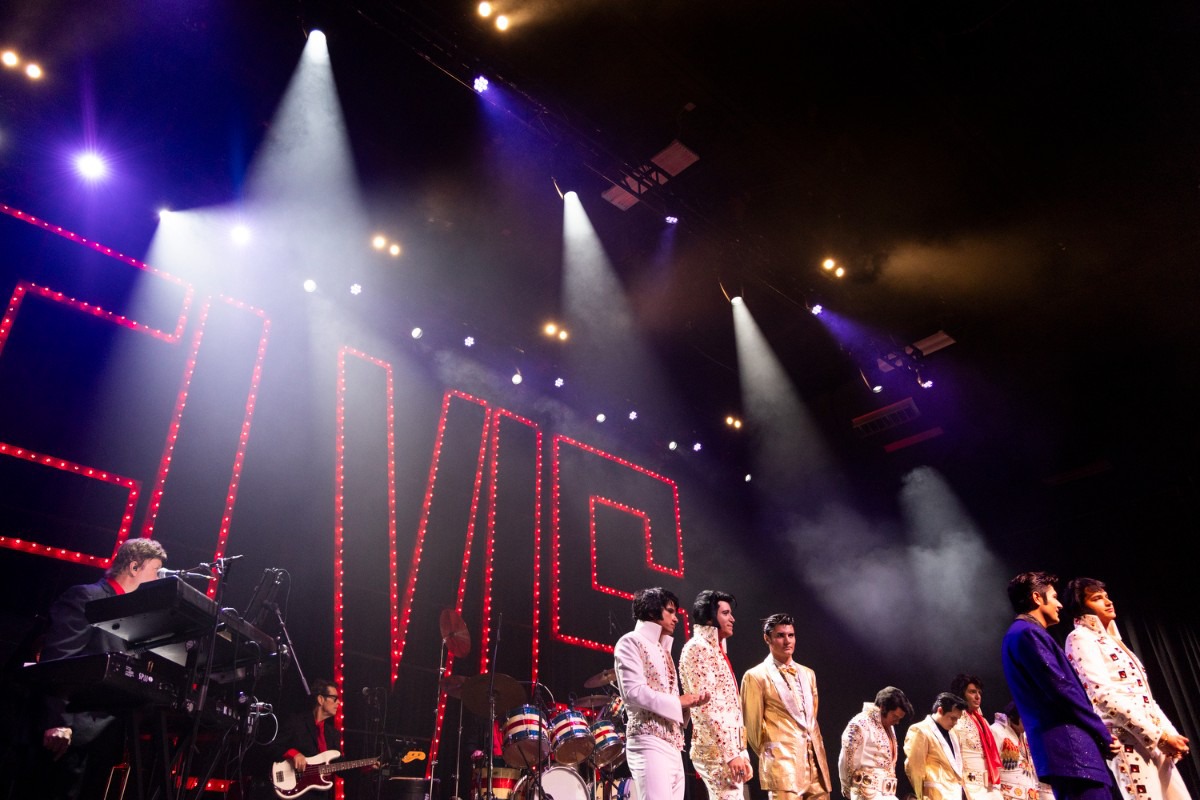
490,794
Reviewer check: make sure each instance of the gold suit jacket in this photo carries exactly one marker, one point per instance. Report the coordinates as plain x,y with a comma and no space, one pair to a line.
935,774
779,739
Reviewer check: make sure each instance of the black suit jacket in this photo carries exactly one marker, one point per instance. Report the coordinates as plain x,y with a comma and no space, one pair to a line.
70,634
299,732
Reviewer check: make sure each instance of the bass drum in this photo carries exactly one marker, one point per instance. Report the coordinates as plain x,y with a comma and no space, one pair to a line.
561,783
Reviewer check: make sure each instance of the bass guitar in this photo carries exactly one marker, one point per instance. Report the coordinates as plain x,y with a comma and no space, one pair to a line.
289,782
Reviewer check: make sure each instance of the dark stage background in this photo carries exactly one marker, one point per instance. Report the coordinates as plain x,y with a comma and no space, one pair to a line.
392,479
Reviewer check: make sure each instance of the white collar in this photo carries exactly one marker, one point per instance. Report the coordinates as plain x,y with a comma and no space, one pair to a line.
652,632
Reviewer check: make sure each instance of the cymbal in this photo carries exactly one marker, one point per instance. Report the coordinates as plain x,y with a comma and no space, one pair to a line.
453,685
454,632
509,693
602,678
592,701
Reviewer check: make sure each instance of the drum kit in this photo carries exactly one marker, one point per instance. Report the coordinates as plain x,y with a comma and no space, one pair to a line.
549,750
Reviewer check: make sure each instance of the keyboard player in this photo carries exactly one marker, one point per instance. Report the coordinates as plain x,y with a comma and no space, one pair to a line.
80,748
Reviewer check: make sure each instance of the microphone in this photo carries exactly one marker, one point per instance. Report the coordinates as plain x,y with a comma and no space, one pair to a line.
163,572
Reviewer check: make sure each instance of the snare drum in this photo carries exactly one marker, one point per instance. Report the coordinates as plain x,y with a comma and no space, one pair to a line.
561,783
609,743
526,741
572,738
504,780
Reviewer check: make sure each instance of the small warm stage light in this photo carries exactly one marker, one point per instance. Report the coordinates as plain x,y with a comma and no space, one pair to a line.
558,383
600,418
673,445
379,242
240,234
550,329
696,447
481,84
417,333
672,220
501,23
485,9
310,286
817,309
632,415
394,250
33,71
828,263
516,379
562,336
9,58
469,341
356,288
91,166
840,272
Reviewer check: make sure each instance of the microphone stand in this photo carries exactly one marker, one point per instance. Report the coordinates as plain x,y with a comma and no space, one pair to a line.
291,649
437,704
220,567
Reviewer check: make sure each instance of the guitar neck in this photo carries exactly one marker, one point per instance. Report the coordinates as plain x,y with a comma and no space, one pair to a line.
338,766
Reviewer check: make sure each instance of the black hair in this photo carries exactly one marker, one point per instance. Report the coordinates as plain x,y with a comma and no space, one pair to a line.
961,681
648,604
706,604
771,622
1022,587
889,698
1077,594
948,701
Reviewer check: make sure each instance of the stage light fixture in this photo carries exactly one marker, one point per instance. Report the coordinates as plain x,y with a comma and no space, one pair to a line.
33,71
240,234
485,9
309,285
379,242
672,446
736,300
469,341
840,272
558,383
481,84
550,329
502,23
696,448
601,417
672,220
747,477
828,263
632,415
394,251
417,333
924,383
817,309
9,58
91,166
516,378
163,213
356,288
563,335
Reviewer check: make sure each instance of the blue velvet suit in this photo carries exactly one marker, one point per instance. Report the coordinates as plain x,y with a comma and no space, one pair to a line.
1066,738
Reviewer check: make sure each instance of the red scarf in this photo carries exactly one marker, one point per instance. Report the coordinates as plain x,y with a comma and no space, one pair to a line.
990,754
